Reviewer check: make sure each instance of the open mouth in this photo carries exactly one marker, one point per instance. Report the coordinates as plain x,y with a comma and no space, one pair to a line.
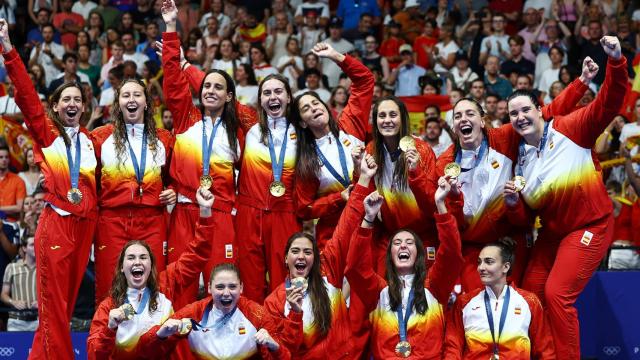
300,266
132,108
466,129
275,107
137,273
226,302
402,256
318,115
72,112
523,125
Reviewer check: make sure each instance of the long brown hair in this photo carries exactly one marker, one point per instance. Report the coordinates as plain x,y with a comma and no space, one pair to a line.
307,162
120,128
456,141
419,271
228,115
264,124
400,170
119,284
53,115
318,294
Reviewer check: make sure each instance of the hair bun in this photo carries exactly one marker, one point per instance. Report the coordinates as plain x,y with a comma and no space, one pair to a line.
507,242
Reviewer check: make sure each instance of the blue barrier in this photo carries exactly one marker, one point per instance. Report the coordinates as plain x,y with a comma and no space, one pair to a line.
608,310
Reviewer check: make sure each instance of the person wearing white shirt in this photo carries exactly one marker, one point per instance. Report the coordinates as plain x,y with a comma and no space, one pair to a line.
445,50
335,40
462,73
130,52
406,76
246,85
313,84
84,7
48,54
550,75
291,65
224,22
496,44
322,9
276,43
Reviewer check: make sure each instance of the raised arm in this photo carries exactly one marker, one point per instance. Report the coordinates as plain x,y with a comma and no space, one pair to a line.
186,270
585,125
354,119
334,255
26,97
446,269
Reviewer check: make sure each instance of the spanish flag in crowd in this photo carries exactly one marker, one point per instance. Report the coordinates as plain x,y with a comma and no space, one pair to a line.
18,139
256,34
417,104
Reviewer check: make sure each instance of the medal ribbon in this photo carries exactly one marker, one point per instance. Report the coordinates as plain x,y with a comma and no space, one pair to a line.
207,146
139,169
277,167
483,148
503,317
404,320
521,157
205,318
74,167
344,180
143,301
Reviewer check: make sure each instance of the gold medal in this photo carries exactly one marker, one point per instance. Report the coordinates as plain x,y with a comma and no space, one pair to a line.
407,143
129,311
452,170
494,357
277,188
206,181
519,183
300,282
186,326
74,195
403,349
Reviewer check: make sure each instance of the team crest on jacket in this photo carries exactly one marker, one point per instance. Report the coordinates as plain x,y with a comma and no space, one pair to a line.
517,310
241,329
293,136
346,142
495,164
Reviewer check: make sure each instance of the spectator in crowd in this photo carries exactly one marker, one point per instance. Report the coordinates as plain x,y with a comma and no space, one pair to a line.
209,44
278,39
311,61
130,52
38,79
70,74
19,288
147,47
260,63
410,20
433,131
591,47
8,107
343,46
68,24
517,64
83,8
491,107
492,79
530,33
251,29
278,6
88,69
95,28
31,174
461,72
496,44
444,54
542,48
524,82
320,9
115,77
351,11
357,35
108,13
117,52
310,34
338,101
34,36
551,74
247,85
224,22
608,142
188,17
28,216
502,113
314,77
390,47
48,54
454,96
167,120
225,58
377,63
12,188
291,65
631,129
423,45
477,91
406,76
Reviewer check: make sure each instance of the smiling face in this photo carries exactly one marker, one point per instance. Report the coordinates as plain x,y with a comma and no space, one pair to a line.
69,107
468,124
132,102
214,93
299,258
403,252
388,120
313,114
525,118
491,269
273,98
136,266
225,289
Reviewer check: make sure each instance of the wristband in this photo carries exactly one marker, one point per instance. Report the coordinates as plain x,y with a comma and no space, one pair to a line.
368,221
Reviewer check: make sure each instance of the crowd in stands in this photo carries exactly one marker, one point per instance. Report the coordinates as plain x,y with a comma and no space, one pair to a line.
478,49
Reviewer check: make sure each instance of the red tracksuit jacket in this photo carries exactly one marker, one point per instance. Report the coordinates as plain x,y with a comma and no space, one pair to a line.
425,332
333,261
104,343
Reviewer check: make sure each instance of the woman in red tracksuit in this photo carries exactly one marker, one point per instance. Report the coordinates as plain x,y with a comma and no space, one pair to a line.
406,180
486,163
207,148
64,152
114,333
324,165
477,329
407,306
327,328
564,187
224,326
133,168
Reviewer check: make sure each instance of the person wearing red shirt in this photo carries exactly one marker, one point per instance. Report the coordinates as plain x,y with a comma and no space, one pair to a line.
407,306
65,154
570,244
390,47
12,188
423,45
68,24
115,330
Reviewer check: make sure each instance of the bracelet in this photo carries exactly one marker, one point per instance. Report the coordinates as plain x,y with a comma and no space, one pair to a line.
368,221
